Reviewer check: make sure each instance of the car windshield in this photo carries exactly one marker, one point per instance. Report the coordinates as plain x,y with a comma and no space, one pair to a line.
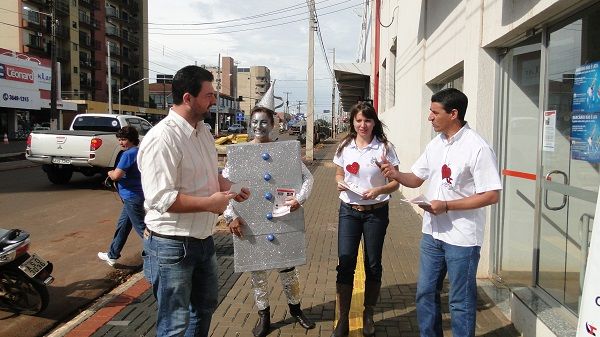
96,123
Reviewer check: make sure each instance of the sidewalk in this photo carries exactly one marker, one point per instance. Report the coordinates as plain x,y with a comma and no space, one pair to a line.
130,310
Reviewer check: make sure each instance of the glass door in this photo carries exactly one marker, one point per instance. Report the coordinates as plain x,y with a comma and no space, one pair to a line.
570,157
518,146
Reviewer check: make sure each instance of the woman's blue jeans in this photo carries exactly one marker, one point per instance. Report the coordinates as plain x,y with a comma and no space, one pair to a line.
132,215
184,281
460,263
354,225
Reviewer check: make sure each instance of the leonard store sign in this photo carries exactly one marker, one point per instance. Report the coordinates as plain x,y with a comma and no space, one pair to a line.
21,79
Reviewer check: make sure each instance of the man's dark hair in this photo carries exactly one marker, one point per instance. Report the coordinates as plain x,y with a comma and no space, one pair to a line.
189,79
452,98
130,133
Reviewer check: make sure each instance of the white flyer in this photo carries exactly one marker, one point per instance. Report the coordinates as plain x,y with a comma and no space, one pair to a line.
354,188
420,200
279,206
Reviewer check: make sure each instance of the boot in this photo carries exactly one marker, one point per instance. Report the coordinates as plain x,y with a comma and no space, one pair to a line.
371,296
300,317
263,326
344,298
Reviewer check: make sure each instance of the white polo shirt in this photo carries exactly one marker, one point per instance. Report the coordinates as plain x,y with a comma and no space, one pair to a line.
368,174
174,157
457,168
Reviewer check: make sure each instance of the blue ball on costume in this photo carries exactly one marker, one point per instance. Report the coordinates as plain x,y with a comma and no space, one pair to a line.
269,196
270,237
269,216
267,177
266,156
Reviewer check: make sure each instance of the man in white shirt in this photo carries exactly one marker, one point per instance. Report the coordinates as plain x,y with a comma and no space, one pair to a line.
463,179
183,194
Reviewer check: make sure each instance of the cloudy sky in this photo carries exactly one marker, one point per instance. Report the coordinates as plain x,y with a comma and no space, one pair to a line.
252,32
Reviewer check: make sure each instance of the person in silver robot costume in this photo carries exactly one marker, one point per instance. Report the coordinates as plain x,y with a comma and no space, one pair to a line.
262,123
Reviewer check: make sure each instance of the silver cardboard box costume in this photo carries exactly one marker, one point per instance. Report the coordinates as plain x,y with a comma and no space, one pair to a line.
278,242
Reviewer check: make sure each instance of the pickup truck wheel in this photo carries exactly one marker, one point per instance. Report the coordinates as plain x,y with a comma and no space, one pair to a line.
59,176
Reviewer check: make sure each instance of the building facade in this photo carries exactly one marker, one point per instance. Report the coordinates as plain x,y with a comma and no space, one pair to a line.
531,72
87,32
252,84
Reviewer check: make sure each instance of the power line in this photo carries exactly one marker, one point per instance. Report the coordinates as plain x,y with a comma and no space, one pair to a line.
242,24
277,11
249,29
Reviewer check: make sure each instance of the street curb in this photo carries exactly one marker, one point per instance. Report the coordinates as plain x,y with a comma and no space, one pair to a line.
81,325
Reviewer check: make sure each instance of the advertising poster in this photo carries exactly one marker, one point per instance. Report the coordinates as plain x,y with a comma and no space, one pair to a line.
585,122
549,131
589,308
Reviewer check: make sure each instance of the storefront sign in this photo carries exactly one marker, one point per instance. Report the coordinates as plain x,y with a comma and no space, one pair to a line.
589,310
549,130
22,73
11,97
585,121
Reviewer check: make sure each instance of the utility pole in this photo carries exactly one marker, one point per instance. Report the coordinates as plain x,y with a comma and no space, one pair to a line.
54,72
218,95
287,101
311,83
110,110
333,98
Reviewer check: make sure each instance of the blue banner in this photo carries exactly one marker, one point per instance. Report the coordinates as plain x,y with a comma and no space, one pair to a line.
585,120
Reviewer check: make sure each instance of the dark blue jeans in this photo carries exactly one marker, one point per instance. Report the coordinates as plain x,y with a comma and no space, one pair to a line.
184,281
460,263
354,225
132,215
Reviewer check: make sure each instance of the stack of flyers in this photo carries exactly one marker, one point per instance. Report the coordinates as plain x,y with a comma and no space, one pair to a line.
354,188
279,206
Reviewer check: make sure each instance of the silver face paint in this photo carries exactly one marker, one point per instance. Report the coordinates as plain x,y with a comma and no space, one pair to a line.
261,125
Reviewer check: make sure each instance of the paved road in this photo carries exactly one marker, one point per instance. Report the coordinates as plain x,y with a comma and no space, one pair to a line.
68,225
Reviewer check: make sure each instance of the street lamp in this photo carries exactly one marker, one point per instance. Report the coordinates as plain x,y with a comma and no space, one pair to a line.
54,79
132,84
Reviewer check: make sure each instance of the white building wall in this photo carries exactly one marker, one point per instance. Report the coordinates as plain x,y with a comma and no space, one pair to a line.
436,39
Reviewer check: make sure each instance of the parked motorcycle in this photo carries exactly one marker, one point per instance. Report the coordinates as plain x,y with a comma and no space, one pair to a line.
24,277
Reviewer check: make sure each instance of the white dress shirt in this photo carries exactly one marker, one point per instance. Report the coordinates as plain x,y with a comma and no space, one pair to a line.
174,157
470,168
368,174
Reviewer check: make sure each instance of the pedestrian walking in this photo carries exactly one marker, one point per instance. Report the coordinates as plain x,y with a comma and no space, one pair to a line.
129,187
262,122
184,193
463,178
363,212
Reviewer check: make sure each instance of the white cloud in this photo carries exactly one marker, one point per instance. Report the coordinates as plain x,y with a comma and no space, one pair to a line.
283,48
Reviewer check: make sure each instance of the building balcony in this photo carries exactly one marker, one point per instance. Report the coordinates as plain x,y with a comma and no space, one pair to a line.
85,83
85,3
62,6
85,40
115,71
86,63
114,51
37,2
36,44
113,31
62,32
112,13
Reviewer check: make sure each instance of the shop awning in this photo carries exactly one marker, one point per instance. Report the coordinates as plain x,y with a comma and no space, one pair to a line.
353,82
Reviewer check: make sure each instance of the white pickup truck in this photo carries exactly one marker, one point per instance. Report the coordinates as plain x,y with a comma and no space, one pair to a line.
89,146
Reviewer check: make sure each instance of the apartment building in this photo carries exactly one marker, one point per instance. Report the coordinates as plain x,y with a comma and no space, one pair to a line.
252,83
87,31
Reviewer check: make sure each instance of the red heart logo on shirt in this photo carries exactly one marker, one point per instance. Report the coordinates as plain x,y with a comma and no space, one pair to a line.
353,168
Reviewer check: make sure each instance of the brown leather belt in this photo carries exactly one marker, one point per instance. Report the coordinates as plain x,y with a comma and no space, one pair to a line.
367,208
149,233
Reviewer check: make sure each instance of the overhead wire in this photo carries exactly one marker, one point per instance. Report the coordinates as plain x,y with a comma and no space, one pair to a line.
243,24
255,28
277,11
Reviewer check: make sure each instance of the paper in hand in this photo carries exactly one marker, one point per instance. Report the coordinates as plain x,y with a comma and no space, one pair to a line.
237,187
420,200
354,188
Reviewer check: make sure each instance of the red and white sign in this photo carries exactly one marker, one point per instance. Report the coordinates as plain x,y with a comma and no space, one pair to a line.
14,73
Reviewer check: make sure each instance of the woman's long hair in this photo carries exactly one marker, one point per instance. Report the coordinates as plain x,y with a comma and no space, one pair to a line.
368,111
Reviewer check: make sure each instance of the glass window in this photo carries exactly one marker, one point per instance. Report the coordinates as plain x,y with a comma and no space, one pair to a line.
573,158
